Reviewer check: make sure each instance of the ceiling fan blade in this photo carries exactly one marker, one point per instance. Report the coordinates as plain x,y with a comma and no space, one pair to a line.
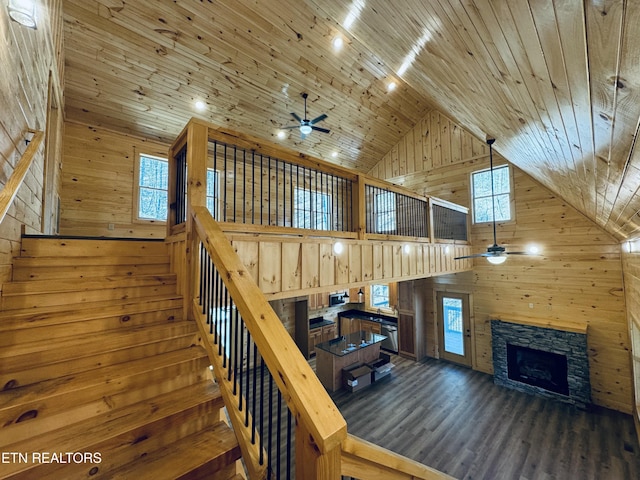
318,119
323,130
290,127
296,116
475,255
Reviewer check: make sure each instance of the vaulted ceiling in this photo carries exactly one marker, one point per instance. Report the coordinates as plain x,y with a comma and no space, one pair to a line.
557,82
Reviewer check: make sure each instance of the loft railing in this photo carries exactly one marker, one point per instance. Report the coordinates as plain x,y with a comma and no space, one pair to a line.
249,183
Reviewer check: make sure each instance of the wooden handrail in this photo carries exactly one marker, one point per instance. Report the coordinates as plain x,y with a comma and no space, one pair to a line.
306,397
10,190
362,459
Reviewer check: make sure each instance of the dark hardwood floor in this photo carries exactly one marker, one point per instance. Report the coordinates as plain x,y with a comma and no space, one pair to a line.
456,420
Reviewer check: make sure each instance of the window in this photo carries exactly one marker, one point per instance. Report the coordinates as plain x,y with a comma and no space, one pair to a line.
213,199
385,212
481,192
380,296
153,175
312,210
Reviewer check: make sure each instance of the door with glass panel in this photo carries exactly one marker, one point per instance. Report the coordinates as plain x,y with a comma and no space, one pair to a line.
454,327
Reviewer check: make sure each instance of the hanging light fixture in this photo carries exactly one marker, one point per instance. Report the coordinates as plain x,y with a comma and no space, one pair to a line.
23,12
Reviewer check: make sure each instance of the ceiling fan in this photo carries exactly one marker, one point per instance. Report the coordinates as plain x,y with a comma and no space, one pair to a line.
495,254
307,126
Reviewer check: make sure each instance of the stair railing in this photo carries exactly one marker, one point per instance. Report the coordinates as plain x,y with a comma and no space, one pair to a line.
10,190
287,424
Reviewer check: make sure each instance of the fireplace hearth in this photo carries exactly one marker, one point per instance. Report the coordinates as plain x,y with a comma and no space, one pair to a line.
541,361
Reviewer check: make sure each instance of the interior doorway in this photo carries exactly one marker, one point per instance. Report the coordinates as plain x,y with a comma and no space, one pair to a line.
454,327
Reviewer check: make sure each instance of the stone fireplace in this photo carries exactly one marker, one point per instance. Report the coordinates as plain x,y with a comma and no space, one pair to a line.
542,360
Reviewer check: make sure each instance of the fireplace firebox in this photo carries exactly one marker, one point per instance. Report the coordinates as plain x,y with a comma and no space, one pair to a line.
539,368
542,361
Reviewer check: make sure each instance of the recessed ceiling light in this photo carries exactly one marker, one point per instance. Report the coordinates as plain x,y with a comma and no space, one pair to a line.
200,105
391,86
281,134
334,154
338,42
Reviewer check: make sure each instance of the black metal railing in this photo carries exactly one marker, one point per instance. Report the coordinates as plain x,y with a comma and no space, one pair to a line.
260,189
449,224
180,205
393,213
265,414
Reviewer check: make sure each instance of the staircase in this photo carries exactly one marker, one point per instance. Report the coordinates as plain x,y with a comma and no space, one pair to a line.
100,374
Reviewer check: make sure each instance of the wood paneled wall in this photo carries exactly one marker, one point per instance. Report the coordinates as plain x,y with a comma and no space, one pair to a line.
577,278
29,58
631,269
98,183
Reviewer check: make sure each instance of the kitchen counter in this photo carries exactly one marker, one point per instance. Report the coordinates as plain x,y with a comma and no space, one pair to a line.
319,322
334,355
372,317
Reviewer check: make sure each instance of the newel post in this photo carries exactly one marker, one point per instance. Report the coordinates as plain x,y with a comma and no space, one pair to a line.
311,463
197,147
359,209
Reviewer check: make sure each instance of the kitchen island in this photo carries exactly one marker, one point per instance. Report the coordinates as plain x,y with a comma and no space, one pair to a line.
355,348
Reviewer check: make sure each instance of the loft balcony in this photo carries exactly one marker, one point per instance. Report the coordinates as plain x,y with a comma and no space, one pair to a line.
302,225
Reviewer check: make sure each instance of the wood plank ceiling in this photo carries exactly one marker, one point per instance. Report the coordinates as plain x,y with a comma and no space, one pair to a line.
557,82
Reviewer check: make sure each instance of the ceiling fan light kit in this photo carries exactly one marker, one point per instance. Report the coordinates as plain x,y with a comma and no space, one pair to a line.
307,126
495,254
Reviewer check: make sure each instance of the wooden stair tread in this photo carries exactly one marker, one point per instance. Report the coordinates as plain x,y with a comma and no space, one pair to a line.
29,287
87,435
84,261
22,318
72,247
88,380
90,344
212,448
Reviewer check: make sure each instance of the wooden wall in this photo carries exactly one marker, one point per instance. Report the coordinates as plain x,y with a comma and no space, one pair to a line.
98,183
29,58
631,269
578,277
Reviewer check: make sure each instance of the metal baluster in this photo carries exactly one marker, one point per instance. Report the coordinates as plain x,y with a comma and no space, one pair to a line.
246,384
261,410
289,443
235,182
253,186
278,436
270,428
255,395
269,195
239,362
231,340
224,216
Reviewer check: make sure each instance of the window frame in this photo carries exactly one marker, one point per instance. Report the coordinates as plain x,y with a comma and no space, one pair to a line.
137,189
389,207
312,212
388,308
510,194
217,201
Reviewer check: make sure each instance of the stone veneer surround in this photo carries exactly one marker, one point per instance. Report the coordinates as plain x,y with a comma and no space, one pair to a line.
571,344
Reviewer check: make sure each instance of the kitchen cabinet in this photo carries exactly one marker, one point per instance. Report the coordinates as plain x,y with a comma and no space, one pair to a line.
320,335
349,325
411,320
329,332
370,326
315,337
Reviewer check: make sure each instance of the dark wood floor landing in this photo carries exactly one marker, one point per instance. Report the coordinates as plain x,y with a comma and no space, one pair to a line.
456,420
